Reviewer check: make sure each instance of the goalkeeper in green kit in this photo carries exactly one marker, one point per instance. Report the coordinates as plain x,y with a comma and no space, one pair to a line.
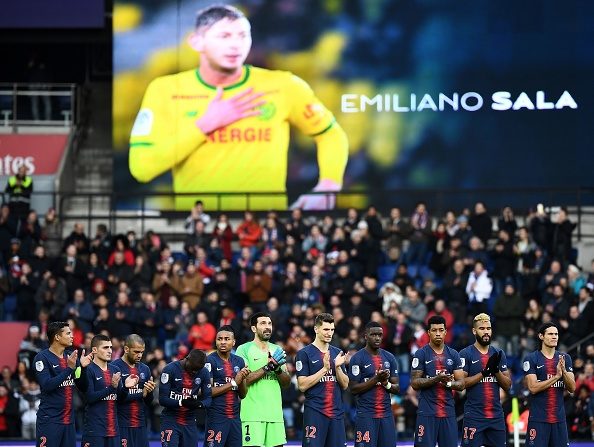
262,422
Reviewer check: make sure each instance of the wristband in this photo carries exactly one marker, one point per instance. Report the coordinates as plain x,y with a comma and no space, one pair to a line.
449,384
388,385
233,384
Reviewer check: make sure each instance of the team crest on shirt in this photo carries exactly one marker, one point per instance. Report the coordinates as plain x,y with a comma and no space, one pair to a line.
462,362
39,365
143,124
267,111
450,362
355,370
207,366
142,376
387,365
415,362
197,381
526,365
236,369
299,365
164,378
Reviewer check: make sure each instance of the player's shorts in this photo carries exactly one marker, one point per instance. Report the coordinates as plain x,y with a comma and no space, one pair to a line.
375,432
49,434
266,434
431,430
225,433
546,434
177,435
100,441
484,432
322,431
134,436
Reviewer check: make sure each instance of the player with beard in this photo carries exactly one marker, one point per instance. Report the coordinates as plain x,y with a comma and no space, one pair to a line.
261,412
485,371
548,373
131,410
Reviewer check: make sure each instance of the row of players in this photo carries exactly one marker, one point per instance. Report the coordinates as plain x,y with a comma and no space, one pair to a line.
114,391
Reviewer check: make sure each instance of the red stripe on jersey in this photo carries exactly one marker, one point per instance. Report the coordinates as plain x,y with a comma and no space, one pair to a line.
551,401
110,415
488,391
67,412
378,392
328,394
183,412
229,396
134,405
440,392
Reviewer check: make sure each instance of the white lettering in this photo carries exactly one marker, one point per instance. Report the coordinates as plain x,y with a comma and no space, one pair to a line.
541,102
470,96
566,100
347,105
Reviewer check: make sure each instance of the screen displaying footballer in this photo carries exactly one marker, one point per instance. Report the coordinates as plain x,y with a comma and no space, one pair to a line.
367,96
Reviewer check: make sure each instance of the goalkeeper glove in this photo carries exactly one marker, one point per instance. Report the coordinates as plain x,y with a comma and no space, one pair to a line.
276,361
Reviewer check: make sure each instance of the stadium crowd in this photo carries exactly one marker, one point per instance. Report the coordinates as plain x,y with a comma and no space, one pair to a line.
397,270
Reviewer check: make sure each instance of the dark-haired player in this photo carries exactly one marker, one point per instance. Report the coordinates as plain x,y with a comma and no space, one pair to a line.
228,373
57,373
548,374
105,387
436,371
485,371
225,125
373,377
263,425
322,377
131,408
185,387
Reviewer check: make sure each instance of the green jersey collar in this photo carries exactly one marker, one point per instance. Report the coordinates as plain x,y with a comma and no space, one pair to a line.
243,80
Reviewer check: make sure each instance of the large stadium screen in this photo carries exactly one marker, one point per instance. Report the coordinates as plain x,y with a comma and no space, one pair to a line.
430,95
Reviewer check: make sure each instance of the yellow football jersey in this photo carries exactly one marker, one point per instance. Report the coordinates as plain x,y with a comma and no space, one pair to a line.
249,155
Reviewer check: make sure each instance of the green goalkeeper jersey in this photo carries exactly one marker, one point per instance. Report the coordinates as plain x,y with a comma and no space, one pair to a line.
263,402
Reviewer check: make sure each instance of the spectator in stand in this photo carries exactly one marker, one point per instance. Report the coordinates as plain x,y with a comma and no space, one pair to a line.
148,319
119,271
464,232
29,233
576,279
19,188
96,269
586,306
586,377
578,420
121,246
198,239
507,221
540,227
196,214
400,338
142,275
258,285
478,289
163,280
509,310
101,243
223,233
79,239
390,293
273,234
315,239
413,307
441,310
72,268
420,223
51,233
398,230
249,232
80,310
25,287
559,305
351,222
124,316
561,237
402,279
480,222
202,334
504,260
188,285
52,295
9,414
307,296
476,252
